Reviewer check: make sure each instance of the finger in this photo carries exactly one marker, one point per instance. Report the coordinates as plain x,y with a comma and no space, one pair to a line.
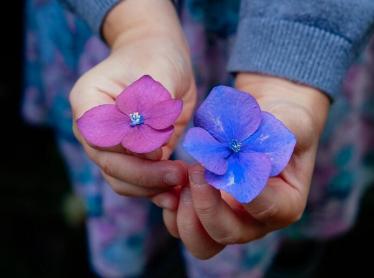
170,221
193,235
166,200
169,215
137,171
282,202
130,190
217,217
154,155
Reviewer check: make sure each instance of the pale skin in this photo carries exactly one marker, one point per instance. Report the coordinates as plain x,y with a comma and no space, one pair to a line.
139,47
150,41
207,220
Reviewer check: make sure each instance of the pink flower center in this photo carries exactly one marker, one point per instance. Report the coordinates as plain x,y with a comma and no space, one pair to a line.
136,119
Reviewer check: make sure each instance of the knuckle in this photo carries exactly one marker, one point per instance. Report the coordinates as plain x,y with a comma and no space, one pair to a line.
295,216
227,238
117,189
114,185
289,218
267,214
106,165
141,180
253,237
91,153
293,212
126,189
205,211
207,254
187,225
123,190
172,231
149,193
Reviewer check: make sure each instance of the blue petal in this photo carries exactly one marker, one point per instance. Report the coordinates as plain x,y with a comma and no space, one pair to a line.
275,140
246,176
228,114
206,150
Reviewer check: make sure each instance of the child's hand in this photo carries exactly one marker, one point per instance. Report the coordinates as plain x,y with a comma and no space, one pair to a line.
206,220
146,38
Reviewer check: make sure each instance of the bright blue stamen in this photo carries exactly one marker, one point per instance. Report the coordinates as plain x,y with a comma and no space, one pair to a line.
235,145
136,119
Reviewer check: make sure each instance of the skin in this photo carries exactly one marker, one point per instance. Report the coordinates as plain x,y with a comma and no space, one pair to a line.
142,41
207,220
204,218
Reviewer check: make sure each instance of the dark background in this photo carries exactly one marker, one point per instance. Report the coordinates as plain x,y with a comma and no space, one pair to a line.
38,239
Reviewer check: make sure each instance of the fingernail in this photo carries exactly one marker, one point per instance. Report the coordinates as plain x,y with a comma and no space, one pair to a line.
186,195
197,177
172,179
163,203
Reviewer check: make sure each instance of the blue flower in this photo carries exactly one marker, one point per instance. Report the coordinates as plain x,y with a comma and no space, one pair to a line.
239,145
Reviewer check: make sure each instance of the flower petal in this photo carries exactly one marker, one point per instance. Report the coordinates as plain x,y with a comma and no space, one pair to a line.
275,140
207,150
141,95
228,114
145,139
103,126
163,114
246,176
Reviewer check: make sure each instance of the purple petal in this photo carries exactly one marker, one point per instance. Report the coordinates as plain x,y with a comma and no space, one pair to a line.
103,126
275,140
145,139
246,176
206,150
163,114
228,114
141,95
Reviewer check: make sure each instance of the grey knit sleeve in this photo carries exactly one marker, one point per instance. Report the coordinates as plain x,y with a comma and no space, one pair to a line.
311,41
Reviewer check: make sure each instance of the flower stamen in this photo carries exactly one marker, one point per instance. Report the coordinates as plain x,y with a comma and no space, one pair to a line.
235,146
136,119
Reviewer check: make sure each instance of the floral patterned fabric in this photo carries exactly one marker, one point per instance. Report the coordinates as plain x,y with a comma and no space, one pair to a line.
122,231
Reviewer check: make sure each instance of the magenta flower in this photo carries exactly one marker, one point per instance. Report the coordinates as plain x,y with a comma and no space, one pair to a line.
141,120
239,145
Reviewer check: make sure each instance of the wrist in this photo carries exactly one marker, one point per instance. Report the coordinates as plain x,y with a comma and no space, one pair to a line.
141,19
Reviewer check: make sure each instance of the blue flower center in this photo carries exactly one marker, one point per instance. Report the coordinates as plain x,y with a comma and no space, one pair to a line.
136,119
235,146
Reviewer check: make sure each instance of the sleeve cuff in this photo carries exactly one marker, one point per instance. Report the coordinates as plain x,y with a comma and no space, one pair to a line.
292,50
93,11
